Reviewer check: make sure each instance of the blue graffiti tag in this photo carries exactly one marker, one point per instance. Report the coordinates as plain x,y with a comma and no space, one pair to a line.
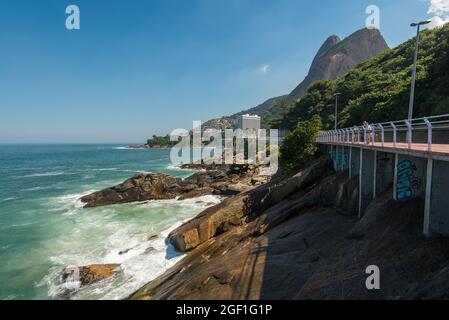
405,180
341,160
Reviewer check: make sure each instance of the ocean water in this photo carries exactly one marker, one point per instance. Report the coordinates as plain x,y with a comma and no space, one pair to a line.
44,229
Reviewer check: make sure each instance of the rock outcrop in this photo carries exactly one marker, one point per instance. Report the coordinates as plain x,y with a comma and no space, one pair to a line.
90,274
336,57
306,245
225,180
241,208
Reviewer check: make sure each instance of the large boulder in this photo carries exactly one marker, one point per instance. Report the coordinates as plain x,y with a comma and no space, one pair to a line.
140,187
90,274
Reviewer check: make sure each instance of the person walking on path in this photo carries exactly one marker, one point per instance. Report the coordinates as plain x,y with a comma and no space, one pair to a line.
368,129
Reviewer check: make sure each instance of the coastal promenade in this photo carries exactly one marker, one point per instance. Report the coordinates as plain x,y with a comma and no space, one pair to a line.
412,156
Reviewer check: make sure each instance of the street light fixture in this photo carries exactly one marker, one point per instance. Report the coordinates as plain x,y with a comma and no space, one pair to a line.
412,90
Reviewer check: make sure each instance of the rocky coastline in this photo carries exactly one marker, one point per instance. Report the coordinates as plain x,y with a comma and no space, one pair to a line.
223,180
300,238
292,238
210,179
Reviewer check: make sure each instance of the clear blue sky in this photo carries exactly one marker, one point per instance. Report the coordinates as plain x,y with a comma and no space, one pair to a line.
141,67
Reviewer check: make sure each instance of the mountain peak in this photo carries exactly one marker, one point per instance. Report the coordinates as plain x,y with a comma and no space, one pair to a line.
326,46
336,57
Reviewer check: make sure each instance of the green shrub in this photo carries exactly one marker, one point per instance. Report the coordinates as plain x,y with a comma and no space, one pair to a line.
299,146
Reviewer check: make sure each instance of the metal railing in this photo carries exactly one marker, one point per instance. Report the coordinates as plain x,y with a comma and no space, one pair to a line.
419,130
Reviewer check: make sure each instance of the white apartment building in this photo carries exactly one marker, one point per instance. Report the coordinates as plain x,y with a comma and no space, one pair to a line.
247,121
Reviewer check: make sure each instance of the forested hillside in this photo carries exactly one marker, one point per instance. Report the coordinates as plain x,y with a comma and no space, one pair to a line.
379,89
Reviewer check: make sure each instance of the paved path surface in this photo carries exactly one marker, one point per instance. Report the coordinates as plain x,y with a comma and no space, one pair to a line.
437,149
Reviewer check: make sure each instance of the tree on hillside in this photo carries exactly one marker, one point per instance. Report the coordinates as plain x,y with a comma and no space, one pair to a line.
299,146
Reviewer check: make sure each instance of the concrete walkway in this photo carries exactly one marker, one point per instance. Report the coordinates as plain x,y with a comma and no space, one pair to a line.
419,149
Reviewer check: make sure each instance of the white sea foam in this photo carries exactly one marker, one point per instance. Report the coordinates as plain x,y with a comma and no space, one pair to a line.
143,255
37,188
175,167
8,199
129,148
71,203
46,174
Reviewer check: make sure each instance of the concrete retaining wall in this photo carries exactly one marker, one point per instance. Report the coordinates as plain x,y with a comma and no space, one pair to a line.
384,171
436,218
410,177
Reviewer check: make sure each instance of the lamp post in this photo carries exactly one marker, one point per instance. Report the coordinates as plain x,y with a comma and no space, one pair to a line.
412,90
336,108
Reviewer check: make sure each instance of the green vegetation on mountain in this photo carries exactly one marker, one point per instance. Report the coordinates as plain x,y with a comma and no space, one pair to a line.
376,91
379,89
299,146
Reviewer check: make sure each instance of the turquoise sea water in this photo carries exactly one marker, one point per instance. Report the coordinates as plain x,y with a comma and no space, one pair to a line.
44,229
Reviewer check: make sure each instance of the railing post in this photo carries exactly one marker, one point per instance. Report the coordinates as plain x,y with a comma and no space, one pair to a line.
358,134
382,134
352,135
373,134
394,134
429,134
364,134
409,133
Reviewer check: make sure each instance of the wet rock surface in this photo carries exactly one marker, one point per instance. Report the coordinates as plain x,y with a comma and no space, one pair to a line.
90,274
226,180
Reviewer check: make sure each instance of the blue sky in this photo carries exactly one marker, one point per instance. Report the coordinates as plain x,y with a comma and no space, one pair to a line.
141,67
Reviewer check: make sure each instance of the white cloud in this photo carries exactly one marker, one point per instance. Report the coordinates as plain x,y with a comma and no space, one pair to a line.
263,69
437,22
440,10
439,7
